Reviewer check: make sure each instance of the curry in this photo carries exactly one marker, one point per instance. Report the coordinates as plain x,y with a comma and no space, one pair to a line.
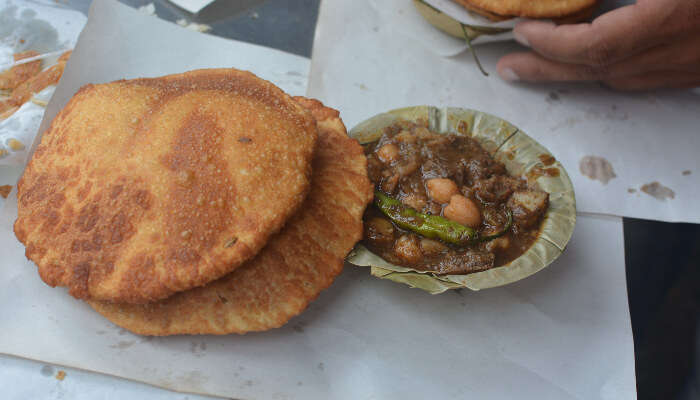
443,204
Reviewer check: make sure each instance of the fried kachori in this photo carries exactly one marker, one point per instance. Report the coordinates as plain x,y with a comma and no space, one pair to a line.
297,264
560,10
143,188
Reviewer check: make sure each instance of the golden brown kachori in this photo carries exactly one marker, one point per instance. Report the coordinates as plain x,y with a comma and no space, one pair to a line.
560,10
297,264
143,188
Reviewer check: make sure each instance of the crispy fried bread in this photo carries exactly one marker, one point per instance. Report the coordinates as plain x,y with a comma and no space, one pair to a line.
143,188
297,264
559,10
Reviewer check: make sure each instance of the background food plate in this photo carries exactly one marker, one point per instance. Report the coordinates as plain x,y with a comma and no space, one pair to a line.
460,30
522,156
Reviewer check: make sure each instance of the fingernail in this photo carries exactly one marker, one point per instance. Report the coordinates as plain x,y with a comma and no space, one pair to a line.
509,75
520,38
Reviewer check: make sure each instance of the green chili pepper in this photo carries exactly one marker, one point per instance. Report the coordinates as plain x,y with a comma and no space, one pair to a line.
431,226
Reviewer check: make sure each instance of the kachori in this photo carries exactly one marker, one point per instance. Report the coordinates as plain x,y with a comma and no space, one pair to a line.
297,264
143,188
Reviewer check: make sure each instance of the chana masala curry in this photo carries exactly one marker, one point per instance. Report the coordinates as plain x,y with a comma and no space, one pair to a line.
443,204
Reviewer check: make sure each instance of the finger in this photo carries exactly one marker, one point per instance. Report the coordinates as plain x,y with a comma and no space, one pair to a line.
609,38
681,56
531,67
656,80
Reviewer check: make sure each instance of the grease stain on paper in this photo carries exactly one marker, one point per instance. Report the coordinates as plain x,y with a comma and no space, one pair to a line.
27,32
47,370
597,169
122,344
192,380
614,113
658,191
299,328
362,86
198,349
567,123
552,97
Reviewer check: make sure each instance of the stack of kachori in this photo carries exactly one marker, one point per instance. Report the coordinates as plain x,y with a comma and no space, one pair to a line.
558,10
208,202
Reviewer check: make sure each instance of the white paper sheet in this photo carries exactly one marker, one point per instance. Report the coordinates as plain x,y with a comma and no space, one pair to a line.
193,6
363,66
563,333
23,379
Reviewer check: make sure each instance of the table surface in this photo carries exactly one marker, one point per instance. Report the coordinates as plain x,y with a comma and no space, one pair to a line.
661,258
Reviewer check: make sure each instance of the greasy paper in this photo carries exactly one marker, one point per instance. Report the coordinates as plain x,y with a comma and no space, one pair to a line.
647,137
520,154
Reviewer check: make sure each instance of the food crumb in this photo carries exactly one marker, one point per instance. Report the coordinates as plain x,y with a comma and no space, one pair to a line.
362,86
5,191
463,128
658,191
631,190
193,26
61,375
547,159
15,145
687,172
39,102
597,168
552,97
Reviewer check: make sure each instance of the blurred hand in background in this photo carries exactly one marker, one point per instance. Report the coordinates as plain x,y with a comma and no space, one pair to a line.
648,45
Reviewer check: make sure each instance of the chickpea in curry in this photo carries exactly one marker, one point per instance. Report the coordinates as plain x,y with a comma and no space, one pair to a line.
443,204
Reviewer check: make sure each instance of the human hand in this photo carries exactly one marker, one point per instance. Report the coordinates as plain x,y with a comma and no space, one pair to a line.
648,45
